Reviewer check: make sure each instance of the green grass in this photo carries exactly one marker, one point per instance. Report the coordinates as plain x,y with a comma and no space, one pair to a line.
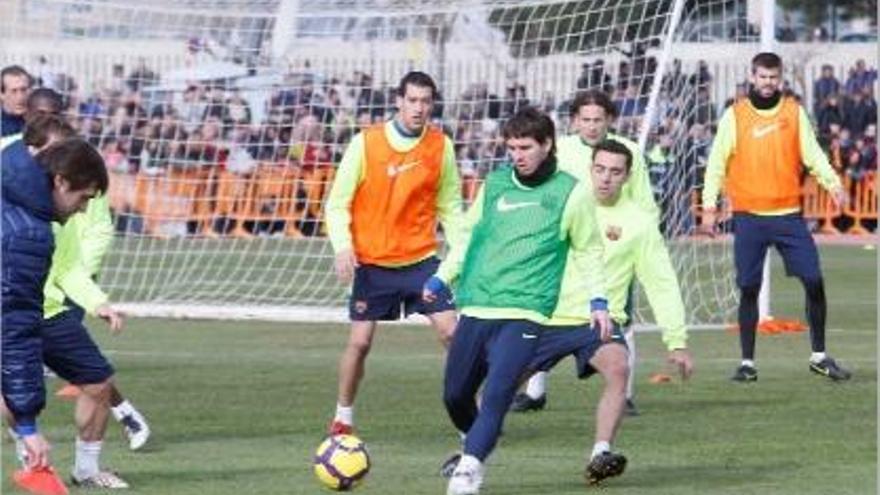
238,408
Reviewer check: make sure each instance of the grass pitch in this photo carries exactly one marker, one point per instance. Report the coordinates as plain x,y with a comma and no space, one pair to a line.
238,408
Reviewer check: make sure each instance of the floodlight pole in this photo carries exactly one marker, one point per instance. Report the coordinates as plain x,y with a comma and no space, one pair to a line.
284,32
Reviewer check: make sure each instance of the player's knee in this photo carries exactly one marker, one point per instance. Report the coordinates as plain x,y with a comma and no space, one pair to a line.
611,362
455,399
99,392
815,286
750,292
360,346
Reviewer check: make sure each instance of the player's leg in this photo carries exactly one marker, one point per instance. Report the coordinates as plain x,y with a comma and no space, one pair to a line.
511,348
351,371
374,297
534,395
135,425
610,361
69,350
798,251
133,422
630,336
749,248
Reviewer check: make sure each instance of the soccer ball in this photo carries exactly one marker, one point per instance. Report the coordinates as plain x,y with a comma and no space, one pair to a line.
342,462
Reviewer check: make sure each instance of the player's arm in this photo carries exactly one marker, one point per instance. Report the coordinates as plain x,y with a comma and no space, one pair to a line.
26,261
716,168
586,252
816,160
96,233
449,208
70,274
348,175
654,270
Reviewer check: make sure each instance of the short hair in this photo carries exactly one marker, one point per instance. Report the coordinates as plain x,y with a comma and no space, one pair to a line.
615,147
529,122
593,97
41,127
767,60
417,78
76,161
14,70
47,98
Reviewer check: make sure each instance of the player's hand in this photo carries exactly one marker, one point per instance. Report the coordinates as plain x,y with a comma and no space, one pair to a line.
840,197
37,451
682,359
709,224
602,322
432,287
111,316
345,264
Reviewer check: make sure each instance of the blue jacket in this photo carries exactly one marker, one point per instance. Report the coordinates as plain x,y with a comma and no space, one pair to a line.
10,124
28,244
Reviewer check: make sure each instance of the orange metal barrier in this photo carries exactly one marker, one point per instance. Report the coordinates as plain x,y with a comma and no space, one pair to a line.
863,202
277,192
818,205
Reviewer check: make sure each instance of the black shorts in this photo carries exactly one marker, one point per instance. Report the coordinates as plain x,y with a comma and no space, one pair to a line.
379,292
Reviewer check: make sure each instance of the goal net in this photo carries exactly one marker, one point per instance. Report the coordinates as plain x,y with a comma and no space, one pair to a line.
222,121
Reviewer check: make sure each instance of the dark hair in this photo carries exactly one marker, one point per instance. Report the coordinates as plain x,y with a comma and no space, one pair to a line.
530,122
41,127
593,97
615,147
76,161
14,70
767,60
417,78
45,97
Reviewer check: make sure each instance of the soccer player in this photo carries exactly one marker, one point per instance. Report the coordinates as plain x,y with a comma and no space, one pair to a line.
72,277
592,113
395,181
524,223
15,85
762,141
633,248
36,190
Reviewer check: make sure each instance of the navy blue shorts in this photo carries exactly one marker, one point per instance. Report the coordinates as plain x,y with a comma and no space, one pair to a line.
70,352
580,341
379,292
753,234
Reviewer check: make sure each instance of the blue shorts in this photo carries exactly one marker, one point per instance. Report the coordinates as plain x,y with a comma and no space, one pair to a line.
70,352
580,341
379,292
753,234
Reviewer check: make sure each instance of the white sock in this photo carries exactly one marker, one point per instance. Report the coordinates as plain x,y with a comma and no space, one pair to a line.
748,362
345,414
468,463
599,448
630,336
87,455
817,357
20,449
537,385
122,410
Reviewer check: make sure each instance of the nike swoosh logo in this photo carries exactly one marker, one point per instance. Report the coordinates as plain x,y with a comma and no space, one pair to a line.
503,205
759,132
529,336
393,171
